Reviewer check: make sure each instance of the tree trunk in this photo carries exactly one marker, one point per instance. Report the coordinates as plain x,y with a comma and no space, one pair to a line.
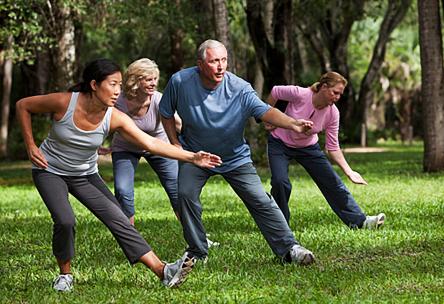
7,83
60,23
432,91
272,55
222,28
396,11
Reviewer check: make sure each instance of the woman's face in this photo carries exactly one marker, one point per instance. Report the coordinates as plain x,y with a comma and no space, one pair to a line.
331,94
109,89
148,84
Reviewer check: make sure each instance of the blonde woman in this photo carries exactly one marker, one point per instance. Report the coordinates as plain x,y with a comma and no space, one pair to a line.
140,101
316,103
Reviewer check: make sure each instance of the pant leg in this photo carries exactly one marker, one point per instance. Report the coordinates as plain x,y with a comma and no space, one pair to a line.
124,168
335,192
280,182
167,170
191,181
266,213
92,192
54,192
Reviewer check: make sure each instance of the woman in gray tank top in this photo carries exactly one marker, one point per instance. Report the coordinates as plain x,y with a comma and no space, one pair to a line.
66,162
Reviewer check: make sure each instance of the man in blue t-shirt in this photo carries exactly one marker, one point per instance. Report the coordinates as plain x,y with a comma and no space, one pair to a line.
214,106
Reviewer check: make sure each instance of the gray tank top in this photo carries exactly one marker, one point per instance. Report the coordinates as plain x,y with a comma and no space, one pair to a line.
149,123
70,150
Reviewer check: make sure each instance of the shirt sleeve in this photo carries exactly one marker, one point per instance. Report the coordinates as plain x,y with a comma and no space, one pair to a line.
168,102
285,92
254,105
332,131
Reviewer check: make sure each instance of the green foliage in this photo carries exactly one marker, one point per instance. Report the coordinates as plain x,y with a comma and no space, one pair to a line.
22,21
400,263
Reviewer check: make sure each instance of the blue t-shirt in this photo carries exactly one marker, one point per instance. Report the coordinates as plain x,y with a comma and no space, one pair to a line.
213,120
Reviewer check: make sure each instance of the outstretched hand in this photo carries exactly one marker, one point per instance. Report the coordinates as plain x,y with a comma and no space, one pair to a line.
303,126
206,160
356,178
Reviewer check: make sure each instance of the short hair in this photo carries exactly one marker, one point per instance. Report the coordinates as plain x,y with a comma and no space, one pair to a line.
330,79
98,70
207,44
136,71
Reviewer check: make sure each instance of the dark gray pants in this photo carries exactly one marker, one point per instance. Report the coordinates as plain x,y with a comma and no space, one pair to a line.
247,185
92,192
321,171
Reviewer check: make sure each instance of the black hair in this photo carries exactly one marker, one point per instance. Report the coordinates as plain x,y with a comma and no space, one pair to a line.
96,70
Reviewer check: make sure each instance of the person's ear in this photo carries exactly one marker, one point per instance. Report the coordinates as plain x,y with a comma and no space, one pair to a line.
93,85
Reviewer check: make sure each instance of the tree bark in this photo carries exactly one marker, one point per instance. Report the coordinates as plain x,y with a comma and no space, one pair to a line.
396,11
222,29
432,91
272,55
5,109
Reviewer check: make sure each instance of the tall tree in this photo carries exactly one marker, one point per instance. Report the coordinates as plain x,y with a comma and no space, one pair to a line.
271,38
5,105
432,91
396,11
222,29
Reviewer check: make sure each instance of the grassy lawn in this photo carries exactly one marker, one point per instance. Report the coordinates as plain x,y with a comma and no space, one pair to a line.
402,262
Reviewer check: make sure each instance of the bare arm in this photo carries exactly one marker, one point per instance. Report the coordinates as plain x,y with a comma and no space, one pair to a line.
169,124
274,118
55,104
278,119
127,128
178,123
338,157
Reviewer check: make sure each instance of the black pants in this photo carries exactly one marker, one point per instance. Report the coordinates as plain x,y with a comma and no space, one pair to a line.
92,192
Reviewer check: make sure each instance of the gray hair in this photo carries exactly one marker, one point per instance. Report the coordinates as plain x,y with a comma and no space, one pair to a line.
207,44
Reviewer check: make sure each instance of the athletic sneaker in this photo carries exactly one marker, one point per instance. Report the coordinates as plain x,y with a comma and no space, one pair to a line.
64,282
212,243
175,273
299,255
374,222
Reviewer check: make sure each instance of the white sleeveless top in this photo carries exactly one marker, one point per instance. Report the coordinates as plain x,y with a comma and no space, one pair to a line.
70,150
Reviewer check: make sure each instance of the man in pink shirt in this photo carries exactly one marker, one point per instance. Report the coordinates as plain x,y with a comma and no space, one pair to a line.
316,103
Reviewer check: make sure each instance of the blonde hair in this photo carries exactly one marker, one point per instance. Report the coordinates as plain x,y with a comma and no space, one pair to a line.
136,71
330,79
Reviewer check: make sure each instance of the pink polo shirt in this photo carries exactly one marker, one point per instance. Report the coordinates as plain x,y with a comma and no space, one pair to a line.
300,106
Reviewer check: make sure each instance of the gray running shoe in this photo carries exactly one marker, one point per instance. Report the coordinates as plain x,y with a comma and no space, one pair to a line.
64,282
300,255
374,222
175,273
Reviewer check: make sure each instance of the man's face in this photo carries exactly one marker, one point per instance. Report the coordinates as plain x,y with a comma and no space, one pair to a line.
213,68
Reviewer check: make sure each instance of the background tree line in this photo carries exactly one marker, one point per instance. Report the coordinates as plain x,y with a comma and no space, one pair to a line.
44,45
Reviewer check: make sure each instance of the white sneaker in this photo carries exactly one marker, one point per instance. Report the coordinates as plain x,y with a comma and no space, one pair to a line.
64,282
300,255
374,222
175,273
212,243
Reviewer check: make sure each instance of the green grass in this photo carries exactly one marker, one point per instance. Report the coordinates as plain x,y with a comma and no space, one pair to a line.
403,262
